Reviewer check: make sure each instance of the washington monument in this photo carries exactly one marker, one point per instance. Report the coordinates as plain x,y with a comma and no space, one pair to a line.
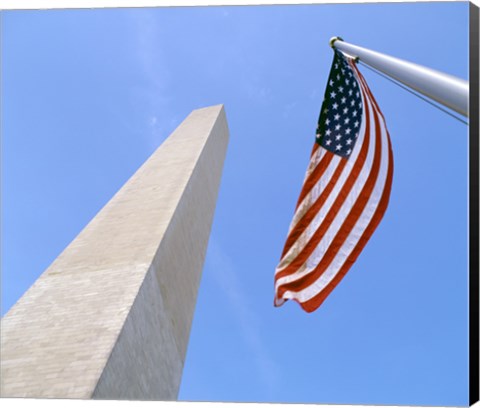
110,318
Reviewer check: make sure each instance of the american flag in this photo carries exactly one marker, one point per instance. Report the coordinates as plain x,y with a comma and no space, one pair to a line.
345,192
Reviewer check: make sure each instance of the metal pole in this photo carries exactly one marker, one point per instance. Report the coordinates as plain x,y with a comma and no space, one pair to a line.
443,88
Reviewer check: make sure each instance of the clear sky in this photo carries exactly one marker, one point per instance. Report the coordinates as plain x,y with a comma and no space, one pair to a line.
88,95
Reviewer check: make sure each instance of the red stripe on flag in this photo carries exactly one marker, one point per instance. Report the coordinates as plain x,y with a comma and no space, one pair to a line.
316,174
314,149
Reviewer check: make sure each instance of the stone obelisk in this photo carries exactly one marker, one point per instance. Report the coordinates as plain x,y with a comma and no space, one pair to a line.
110,318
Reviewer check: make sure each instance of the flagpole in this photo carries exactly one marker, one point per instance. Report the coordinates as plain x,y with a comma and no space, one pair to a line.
445,89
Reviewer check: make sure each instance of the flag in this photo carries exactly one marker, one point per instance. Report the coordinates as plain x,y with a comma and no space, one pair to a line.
344,194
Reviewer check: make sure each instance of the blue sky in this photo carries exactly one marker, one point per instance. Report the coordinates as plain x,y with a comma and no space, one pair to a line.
88,95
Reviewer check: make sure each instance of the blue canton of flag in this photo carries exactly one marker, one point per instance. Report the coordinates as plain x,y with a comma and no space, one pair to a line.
341,113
